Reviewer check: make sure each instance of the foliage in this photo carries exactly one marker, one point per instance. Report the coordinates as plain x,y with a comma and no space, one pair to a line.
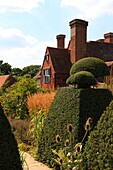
20,129
31,70
23,160
35,129
16,71
98,152
94,65
9,155
82,79
5,68
70,106
39,101
38,105
14,99
69,157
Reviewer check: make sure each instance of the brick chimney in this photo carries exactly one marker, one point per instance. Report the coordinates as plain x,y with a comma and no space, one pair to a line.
60,41
108,37
78,31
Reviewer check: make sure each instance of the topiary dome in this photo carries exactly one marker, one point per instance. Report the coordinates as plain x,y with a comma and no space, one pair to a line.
82,79
91,64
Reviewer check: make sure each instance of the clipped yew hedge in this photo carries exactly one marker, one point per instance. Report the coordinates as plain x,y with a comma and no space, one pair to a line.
98,152
93,65
82,79
9,155
70,106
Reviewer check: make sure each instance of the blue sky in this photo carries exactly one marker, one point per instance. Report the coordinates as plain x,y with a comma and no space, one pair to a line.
27,27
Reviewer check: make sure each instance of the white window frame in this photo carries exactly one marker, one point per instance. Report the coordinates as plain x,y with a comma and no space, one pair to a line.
46,75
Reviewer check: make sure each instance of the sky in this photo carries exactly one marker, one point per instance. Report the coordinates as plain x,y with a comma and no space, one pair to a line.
27,27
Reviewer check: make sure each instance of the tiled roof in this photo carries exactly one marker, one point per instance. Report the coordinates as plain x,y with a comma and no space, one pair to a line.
3,79
100,50
109,63
60,59
38,75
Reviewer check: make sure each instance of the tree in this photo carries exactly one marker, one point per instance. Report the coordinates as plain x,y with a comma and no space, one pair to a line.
5,68
1,61
15,97
31,70
16,71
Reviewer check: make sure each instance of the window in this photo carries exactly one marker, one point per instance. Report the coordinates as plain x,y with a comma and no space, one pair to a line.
46,75
46,57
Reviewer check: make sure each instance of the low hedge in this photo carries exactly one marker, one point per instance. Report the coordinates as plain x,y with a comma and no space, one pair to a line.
98,152
9,155
70,106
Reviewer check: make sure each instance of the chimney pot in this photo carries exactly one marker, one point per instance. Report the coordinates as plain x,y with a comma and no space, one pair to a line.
108,37
60,41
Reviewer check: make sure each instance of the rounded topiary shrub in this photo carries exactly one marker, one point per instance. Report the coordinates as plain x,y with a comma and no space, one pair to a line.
9,155
98,152
91,64
83,79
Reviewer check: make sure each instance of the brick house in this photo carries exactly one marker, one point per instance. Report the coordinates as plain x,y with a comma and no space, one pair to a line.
58,61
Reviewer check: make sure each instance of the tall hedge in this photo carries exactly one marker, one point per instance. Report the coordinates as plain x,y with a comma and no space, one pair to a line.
9,155
98,152
70,106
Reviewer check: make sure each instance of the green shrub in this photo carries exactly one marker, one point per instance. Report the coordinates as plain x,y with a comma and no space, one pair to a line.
94,65
70,106
9,155
98,152
82,79
15,97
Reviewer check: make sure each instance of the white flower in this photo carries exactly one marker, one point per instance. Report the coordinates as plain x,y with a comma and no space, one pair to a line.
70,161
69,154
74,168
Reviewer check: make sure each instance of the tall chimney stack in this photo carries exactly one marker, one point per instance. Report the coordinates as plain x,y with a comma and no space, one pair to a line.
60,41
108,37
78,31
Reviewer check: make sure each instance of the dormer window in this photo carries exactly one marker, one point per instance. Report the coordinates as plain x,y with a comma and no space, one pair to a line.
46,57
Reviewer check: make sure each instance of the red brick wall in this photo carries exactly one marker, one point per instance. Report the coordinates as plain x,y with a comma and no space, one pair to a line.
46,65
60,79
56,79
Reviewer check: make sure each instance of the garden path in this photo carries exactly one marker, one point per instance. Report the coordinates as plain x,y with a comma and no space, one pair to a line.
31,164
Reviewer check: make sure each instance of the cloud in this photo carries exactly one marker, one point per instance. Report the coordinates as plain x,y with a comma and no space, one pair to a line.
21,50
19,5
90,9
13,37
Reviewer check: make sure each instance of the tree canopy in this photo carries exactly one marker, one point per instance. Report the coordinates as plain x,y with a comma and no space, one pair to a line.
6,68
